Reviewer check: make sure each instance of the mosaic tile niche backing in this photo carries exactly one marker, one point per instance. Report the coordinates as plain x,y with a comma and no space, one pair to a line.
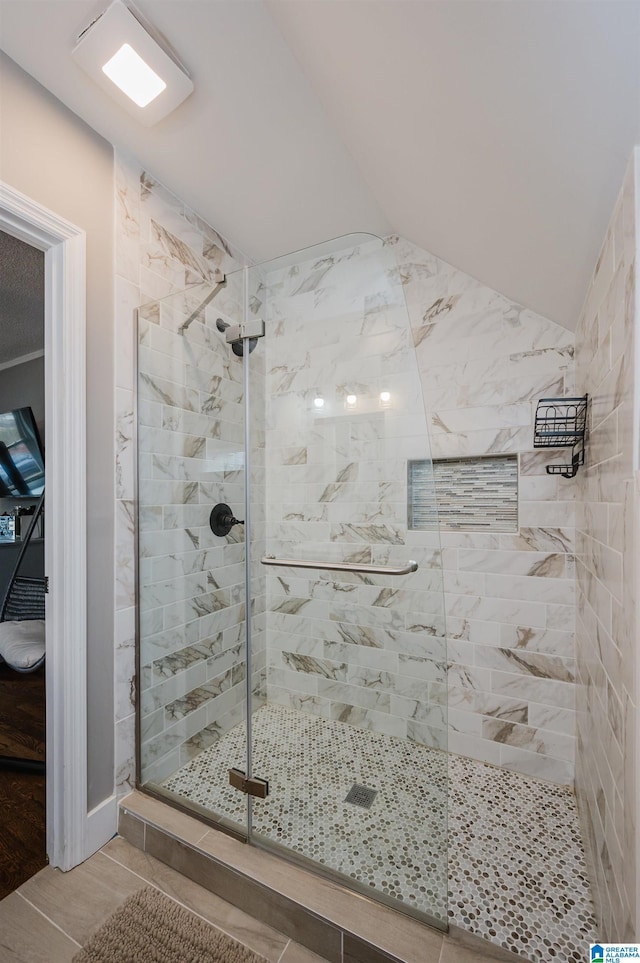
471,494
516,872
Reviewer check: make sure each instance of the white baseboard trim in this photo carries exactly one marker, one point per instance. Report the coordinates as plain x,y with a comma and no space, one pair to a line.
102,825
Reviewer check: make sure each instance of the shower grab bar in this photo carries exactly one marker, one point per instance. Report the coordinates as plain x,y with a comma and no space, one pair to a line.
371,569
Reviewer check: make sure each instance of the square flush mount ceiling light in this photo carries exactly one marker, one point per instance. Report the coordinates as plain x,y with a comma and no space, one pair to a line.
122,57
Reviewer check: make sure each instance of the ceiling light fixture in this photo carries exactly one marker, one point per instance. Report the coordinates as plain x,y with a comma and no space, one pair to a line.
131,65
133,76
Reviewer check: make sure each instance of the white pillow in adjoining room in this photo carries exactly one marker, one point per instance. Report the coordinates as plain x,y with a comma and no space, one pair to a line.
22,643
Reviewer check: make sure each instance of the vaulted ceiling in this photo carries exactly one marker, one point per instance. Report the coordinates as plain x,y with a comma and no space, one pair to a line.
494,133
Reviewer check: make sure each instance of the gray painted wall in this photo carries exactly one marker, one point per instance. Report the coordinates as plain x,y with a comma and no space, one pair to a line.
49,154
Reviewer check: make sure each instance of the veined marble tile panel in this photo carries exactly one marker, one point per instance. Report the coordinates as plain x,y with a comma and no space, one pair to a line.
561,617
486,382
484,632
173,590
476,334
464,420
124,444
127,212
537,765
152,388
482,704
520,637
181,659
127,298
155,287
529,663
550,717
465,744
156,492
159,441
150,414
538,565
159,695
284,642
469,677
125,674
546,488
546,691
299,682
487,441
560,514
513,612
559,591
512,734
366,656
464,583
541,359
539,539
162,643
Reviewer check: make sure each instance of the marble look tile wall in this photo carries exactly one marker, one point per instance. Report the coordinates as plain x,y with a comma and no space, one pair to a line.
484,362
365,649
190,414
607,572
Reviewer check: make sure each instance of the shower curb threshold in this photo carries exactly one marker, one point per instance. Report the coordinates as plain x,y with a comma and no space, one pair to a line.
338,924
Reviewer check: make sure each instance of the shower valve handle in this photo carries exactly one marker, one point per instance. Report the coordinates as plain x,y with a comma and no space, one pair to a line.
222,520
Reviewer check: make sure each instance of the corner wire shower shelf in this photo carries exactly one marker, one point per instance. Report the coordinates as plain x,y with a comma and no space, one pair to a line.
562,423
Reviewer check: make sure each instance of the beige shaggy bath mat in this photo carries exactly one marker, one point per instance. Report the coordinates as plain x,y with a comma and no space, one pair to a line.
151,928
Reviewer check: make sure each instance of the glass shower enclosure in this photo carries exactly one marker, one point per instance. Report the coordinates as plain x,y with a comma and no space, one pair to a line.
291,637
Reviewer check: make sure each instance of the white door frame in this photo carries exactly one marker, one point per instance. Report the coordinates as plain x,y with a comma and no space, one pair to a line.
69,835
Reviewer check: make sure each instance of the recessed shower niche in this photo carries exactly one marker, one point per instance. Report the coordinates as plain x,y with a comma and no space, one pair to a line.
464,494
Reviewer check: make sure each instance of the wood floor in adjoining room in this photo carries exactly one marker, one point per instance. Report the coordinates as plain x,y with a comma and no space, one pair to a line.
22,795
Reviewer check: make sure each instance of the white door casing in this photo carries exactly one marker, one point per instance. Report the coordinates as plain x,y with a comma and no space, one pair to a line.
71,837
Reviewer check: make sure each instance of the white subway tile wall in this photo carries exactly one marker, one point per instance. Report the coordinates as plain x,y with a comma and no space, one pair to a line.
607,571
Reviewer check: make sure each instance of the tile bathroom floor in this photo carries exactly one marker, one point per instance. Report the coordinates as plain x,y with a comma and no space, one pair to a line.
51,916
516,872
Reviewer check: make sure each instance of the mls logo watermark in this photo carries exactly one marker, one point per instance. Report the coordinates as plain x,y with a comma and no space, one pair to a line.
614,952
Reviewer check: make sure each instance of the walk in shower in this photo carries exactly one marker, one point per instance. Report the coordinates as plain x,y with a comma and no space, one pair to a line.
291,617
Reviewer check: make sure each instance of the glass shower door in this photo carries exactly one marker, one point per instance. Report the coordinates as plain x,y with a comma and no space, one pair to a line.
317,431
348,722
191,582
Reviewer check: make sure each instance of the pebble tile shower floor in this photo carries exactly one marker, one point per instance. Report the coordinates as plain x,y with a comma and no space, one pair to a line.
516,872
